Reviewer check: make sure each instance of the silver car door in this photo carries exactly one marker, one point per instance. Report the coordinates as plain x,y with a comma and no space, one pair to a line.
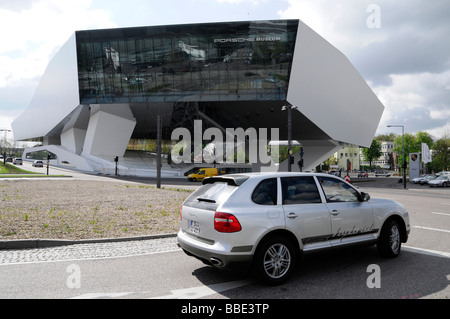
306,215
351,219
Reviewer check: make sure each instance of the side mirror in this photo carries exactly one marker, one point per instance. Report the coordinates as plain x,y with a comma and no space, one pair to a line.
364,197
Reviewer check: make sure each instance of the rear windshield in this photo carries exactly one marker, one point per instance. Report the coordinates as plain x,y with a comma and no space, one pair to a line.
210,196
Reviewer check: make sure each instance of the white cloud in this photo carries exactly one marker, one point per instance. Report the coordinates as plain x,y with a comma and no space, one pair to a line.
6,117
419,101
254,2
34,33
405,93
404,60
440,132
440,114
342,23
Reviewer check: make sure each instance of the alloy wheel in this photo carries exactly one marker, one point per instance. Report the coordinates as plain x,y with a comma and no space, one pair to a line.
277,261
395,239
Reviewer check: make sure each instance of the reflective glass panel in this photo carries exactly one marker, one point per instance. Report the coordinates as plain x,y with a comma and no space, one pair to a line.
236,61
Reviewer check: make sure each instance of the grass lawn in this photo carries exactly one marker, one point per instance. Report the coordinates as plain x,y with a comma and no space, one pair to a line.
13,171
10,169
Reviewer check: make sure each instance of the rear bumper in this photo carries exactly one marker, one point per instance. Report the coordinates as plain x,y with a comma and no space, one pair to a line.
212,254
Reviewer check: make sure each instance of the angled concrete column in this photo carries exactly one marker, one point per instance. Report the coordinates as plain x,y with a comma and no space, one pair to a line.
72,139
74,132
109,130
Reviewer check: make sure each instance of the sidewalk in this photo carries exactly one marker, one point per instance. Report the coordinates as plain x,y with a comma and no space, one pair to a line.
46,243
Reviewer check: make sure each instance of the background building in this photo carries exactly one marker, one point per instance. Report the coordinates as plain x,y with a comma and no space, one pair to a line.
388,158
105,87
349,159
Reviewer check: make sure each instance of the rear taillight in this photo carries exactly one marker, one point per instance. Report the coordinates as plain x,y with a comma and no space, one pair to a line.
181,213
226,223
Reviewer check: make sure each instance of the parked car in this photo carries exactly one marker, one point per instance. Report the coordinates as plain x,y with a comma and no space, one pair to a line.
381,173
267,220
417,179
363,174
442,181
38,164
426,179
9,160
335,173
17,161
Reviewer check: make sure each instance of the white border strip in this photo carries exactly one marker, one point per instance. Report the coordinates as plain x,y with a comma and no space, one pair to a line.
430,252
437,213
430,228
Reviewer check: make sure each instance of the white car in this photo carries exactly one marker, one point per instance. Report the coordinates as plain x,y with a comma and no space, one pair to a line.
443,181
381,173
38,164
266,220
419,179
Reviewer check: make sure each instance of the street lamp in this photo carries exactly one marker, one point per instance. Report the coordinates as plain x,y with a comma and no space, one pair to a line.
289,108
403,151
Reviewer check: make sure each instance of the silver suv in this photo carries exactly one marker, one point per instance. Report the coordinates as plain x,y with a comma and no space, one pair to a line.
266,220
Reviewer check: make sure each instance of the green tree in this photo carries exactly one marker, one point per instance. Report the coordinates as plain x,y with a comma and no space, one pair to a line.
423,137
410,147
327,164
413,144
373,152
441,155
386,137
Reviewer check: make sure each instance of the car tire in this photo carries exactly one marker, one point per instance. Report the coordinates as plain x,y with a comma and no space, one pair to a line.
274,260
389,244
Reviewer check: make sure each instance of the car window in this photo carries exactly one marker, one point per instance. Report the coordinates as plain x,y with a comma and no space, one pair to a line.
214,193
300,190
266,192
337,191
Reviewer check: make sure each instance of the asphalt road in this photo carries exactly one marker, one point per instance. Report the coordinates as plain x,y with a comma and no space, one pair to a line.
98,271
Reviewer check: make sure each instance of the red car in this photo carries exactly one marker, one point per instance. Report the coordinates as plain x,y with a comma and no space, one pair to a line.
363,174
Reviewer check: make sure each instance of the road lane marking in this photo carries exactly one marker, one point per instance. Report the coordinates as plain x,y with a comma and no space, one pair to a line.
186,293
431,228
204,291
424,251
103,295
437,213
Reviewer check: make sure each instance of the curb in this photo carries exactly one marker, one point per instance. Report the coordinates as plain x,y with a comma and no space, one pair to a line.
46,243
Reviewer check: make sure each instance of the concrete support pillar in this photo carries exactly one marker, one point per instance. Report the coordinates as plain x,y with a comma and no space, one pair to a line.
109,130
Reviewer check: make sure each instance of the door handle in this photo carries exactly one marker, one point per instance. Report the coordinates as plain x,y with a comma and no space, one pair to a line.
334,212
292,215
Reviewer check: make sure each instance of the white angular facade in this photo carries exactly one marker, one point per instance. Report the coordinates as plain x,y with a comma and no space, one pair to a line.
107,86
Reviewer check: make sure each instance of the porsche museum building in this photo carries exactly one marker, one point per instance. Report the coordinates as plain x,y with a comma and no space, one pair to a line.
107,87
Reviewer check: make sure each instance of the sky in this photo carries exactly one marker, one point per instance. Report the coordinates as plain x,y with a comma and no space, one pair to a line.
401,48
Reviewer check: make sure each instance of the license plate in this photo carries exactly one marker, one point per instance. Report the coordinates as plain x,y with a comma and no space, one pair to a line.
194,227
